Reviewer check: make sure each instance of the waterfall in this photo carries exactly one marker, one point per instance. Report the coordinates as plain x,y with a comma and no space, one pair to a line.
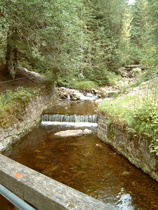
70,118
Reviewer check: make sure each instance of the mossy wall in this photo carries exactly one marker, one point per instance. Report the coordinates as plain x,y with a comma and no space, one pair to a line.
23,116
134,148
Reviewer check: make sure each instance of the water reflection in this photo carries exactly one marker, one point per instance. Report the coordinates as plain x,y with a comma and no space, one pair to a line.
77,107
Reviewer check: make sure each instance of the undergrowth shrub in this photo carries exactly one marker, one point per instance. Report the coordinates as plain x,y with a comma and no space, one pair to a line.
13,105
139,112
119,108
146,76
145,121
85,85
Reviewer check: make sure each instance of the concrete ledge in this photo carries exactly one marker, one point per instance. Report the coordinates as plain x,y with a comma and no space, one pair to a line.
43,192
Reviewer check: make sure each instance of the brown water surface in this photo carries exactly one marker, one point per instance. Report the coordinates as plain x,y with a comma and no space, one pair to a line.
77,107
86,163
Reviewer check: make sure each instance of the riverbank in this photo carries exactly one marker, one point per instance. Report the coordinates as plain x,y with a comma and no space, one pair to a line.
20,116
129,123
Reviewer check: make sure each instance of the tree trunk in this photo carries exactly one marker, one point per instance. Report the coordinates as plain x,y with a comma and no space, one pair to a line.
11,54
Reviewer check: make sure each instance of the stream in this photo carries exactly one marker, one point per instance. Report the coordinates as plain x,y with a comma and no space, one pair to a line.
84,162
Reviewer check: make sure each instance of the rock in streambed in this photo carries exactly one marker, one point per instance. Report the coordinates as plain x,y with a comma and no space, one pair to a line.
78,132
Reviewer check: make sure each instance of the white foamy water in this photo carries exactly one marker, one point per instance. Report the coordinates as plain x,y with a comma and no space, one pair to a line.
74,124
88,96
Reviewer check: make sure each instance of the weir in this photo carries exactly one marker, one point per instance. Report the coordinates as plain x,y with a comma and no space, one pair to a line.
70,118
86,152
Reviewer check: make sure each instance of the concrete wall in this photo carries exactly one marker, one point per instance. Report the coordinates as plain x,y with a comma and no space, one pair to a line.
30,117
42,192
135,149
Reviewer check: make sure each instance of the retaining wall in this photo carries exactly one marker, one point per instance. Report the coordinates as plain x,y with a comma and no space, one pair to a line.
42,99
134,148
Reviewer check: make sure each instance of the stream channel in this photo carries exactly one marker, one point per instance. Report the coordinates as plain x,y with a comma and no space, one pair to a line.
84,162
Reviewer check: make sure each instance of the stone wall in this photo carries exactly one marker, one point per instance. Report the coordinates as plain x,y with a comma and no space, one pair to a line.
42,98
134,148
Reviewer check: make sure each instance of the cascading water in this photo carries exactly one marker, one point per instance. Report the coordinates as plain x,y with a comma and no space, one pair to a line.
76,120
70,118
82,97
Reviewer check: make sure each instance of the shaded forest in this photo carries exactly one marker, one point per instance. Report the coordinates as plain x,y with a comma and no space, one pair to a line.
79,40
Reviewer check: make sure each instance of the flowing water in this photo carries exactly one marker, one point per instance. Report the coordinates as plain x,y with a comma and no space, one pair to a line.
85,162
69,118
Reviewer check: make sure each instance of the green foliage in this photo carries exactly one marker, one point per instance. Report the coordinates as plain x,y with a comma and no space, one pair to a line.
139,24
138,111
10,96
145,121
20,94
153,12
85,85
111,78
143,34
42,34
68,81
136,55
13,105
64,39
101,39
149,74
119,108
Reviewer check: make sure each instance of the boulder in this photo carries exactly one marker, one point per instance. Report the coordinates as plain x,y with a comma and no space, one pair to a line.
87,131
63,94
78,132
74,96
69,133
94,91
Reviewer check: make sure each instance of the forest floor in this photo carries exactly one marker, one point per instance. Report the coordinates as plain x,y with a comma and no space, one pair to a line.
20,80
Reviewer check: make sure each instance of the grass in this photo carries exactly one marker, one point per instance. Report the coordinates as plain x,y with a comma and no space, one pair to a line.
120,108
85,85
139,111
13,105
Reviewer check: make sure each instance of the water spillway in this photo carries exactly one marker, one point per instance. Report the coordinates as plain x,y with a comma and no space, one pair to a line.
70,118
